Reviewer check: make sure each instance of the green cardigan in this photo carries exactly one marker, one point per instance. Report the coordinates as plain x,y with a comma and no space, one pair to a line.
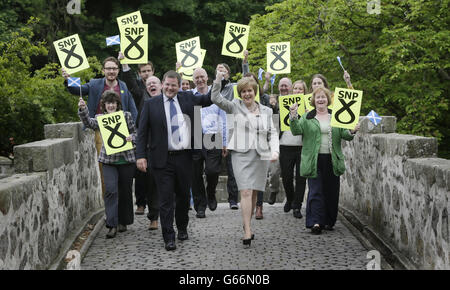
309,127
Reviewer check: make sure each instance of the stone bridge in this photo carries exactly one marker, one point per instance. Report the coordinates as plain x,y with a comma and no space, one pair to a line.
395,193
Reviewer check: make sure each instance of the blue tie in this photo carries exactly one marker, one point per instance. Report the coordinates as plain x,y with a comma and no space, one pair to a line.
174,122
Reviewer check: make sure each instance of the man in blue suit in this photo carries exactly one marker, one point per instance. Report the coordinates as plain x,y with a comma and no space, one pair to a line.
165,130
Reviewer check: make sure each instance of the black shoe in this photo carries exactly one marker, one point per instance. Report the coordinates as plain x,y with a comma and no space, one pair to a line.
122,228
182,236
247,242
328,228
212,203
297,213
287,206
112,233
316,230
200,214
233,205
170,246
272,197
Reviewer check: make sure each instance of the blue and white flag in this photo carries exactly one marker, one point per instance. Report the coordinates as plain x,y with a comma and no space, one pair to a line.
339,60
272,79
374,118
113,40
260,72
74,82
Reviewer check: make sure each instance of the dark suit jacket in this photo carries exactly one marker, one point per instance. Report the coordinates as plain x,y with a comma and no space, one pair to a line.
94,88
153,126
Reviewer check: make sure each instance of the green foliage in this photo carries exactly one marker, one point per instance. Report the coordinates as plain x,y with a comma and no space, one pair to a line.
29,99
399,58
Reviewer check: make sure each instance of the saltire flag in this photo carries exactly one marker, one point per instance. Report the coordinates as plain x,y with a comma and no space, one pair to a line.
260,72
113,40
374,117
74,82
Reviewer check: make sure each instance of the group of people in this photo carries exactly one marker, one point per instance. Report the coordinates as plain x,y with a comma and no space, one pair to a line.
168,163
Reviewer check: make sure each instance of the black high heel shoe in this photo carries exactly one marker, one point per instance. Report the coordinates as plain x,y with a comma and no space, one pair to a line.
247,242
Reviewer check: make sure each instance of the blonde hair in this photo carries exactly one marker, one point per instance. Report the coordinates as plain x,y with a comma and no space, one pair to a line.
305,88
318,90
245,82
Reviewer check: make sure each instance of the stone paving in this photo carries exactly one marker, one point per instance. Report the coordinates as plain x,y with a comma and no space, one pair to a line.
281,243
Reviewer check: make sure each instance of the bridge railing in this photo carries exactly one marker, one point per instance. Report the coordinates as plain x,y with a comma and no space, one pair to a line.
54,189
399,192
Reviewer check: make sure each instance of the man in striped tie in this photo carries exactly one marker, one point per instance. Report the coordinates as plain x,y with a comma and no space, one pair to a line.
164,140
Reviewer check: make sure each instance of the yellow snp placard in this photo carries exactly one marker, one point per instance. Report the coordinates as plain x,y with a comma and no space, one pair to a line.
236,95
307,102
235,39
189,54
114,131
133,18
285,102
71,54
279,57
189,74
134,43
346,108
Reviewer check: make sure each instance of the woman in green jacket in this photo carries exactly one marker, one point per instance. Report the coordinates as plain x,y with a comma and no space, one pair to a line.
322,161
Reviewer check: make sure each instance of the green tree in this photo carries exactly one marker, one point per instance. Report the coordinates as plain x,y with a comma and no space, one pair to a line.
30,99
399,58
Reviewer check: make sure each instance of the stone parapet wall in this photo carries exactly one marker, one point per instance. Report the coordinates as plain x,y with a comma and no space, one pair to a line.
398,187
56,186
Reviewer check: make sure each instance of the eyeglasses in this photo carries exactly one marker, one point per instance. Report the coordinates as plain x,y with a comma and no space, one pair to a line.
111,68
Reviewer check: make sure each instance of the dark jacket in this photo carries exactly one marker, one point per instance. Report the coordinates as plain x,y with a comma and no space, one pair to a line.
153,126
94,88
137,89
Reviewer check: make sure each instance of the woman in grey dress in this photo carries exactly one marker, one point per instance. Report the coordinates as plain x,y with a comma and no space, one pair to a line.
253,144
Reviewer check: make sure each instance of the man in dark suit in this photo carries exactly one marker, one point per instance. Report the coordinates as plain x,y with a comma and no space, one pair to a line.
165,125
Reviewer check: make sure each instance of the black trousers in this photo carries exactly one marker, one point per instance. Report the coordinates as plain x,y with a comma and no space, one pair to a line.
290,157
231,182
208,162
323,195
118,194
146,193
173,184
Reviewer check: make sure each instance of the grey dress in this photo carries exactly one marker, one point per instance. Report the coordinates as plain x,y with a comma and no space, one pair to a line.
252,143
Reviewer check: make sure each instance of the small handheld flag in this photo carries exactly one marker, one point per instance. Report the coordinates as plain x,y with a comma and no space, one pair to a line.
74,82
339,60
374,117
272,79
260,72
113,40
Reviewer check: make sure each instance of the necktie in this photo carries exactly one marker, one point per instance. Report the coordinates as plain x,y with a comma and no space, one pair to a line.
174,123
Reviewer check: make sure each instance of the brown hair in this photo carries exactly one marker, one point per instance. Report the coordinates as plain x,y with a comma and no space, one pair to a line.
316,91
144,64
225,66
252,75
244,82
324,80
172,74
111,58
110,97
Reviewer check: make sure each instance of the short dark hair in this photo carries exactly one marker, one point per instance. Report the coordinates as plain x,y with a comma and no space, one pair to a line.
110,97
172,74
113,59
144,64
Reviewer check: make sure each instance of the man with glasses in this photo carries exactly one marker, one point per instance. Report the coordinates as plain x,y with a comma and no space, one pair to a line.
94,90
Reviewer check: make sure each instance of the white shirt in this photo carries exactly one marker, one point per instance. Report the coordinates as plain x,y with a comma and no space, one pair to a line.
183,128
